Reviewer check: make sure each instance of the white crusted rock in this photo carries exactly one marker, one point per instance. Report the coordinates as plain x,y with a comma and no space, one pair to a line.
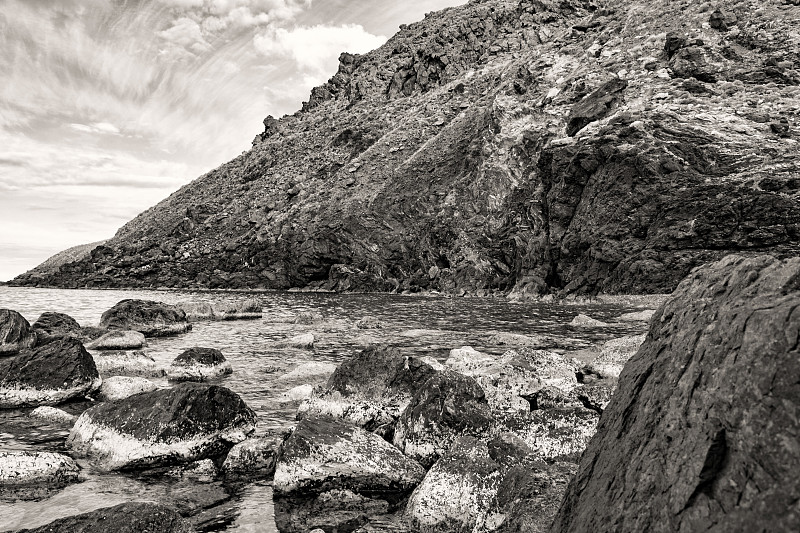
120,387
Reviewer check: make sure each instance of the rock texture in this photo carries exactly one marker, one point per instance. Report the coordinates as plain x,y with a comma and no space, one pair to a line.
199,364
118,340
525,146
15,333
152,319
121,363
48,375
703,432
51,325
36,468
169,426
134,517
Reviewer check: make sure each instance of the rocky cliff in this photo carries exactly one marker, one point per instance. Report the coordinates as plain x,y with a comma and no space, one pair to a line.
525,146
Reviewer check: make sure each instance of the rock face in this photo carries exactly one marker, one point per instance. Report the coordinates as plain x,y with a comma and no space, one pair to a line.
702,434
199,364
134,517
48,375
15,332
36,468
153,319
519,146
169,426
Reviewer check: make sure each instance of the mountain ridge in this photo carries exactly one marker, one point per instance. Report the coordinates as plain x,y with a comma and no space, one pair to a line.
524,147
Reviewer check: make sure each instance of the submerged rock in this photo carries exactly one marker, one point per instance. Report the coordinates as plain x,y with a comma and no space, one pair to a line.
153,319
370,322
15,332
370,389
308,370
585,321
133,517
52,414
128,364
304,341
702,434
118,340
48,375
52,325
36,468
120,387
447,406
164,427
457,491
199,364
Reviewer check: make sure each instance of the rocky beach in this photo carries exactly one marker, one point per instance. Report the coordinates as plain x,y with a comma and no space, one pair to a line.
530,266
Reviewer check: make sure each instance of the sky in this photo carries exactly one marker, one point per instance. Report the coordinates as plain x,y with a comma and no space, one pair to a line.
108,106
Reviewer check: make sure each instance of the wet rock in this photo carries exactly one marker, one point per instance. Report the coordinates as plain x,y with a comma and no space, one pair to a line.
584,321
128,364
199,364
203,471
612,358
304,341
36,468
153,319
595,105
638,316
299,393
308,318
310,369
250,309
370,389
528,497
552,434
447,406
118,387
251,457
457,491
52,414
332,510
52,325
133,517
118,340
15,333
369,322
702,433
188,422
325,453
48,375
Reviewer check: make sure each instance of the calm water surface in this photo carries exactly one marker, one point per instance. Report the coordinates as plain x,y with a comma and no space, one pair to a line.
261,376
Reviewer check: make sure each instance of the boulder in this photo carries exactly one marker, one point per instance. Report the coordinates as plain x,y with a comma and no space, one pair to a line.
457,491
370,389
334,475
36,468
199,364
638,316
52,325
517,374
132,517
299,393
15,332
255,456
198,311
304,341
120,387
118,340
249,309
128,364
307,318
703,433
48,375
612,357
188,422
448,405
153,319
52,414
585,321
309,370
369,322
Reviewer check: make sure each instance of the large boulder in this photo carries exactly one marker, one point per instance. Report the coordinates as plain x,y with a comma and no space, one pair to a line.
560,433
15,332
447,406
153,319
51,325
334,475
199,364
132,517
48,375
703,432
457,491
370,389
164,427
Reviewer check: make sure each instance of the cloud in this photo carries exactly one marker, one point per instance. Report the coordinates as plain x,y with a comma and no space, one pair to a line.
315,50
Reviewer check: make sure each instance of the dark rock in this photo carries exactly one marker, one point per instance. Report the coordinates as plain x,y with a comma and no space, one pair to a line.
163,427
153,319
447,406
702,433
253,457
15,332
674,42
596,105
370,389
697,62
780,127
52,325
199,364
135,517
48,375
